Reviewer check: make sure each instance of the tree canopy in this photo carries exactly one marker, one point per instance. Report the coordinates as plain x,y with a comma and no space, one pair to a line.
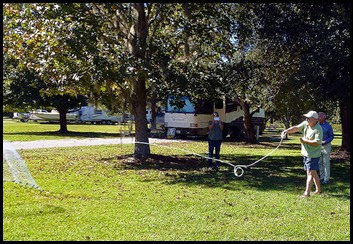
126,55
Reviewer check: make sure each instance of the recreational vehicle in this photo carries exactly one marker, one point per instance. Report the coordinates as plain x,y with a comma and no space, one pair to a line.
192,119
93,115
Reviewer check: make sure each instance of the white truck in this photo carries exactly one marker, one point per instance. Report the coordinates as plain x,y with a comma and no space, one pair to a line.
193,120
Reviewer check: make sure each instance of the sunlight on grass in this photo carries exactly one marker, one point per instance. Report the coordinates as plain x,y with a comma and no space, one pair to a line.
94,193
18,131
90,194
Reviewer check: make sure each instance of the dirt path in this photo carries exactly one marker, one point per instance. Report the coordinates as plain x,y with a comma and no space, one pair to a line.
82,142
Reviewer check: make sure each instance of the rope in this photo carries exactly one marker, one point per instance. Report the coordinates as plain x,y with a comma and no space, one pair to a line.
238,169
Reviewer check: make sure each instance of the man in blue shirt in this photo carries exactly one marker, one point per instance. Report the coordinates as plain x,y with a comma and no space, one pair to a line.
324,163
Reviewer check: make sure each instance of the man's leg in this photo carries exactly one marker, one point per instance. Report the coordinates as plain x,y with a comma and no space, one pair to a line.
210,152
311,165
218,149
309,182
327,168
312,176
316,181
326,162
321,167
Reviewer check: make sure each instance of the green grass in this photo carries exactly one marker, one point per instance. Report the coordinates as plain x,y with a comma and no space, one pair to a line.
14,130
89,194
93,193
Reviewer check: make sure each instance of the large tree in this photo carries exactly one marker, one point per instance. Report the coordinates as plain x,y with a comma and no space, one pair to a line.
240,65
319,33
36,44
24,90
146,49
121,52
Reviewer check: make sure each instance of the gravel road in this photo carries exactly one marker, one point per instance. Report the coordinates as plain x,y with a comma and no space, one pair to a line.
82,142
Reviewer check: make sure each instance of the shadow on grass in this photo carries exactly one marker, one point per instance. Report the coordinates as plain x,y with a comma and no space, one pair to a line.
45,209
69,134
280,173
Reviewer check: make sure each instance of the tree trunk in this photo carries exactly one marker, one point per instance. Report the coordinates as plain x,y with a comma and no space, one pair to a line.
249,128
286,121
345,121
141,131
137,46
63,121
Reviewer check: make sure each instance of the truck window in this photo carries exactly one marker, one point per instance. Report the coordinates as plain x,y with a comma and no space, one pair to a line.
231,105
172,105
204,106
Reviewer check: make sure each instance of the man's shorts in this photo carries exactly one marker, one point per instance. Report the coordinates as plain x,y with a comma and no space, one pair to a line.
311,163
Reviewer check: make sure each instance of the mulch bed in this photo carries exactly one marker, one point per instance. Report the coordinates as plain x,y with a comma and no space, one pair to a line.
175,162
341,156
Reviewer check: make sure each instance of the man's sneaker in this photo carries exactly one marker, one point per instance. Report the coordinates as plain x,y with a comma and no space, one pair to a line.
325,182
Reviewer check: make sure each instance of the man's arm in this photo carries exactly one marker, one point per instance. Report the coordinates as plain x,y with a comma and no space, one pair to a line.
221,125
210,126
290,130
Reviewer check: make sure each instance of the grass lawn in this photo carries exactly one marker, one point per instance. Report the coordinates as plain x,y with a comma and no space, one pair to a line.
14,130
95,193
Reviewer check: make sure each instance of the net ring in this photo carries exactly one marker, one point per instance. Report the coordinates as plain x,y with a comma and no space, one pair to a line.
236,168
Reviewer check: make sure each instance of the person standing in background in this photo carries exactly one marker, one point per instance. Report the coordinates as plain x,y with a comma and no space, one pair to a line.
324,163
215,137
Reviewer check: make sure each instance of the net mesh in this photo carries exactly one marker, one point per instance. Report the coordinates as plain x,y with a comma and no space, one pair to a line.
15,168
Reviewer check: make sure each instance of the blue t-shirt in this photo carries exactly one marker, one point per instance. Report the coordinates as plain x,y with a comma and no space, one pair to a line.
216,132
327,132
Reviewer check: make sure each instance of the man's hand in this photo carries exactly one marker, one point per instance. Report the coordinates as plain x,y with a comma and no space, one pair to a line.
310,142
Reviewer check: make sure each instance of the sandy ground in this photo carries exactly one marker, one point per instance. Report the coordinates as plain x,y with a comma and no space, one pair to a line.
82,142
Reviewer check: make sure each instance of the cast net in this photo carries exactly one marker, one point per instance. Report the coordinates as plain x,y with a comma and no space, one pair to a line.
15,168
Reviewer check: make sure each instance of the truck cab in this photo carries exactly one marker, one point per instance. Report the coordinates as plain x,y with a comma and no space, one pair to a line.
189,119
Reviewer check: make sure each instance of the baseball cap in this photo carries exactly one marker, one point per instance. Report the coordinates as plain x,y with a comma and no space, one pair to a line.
311,114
